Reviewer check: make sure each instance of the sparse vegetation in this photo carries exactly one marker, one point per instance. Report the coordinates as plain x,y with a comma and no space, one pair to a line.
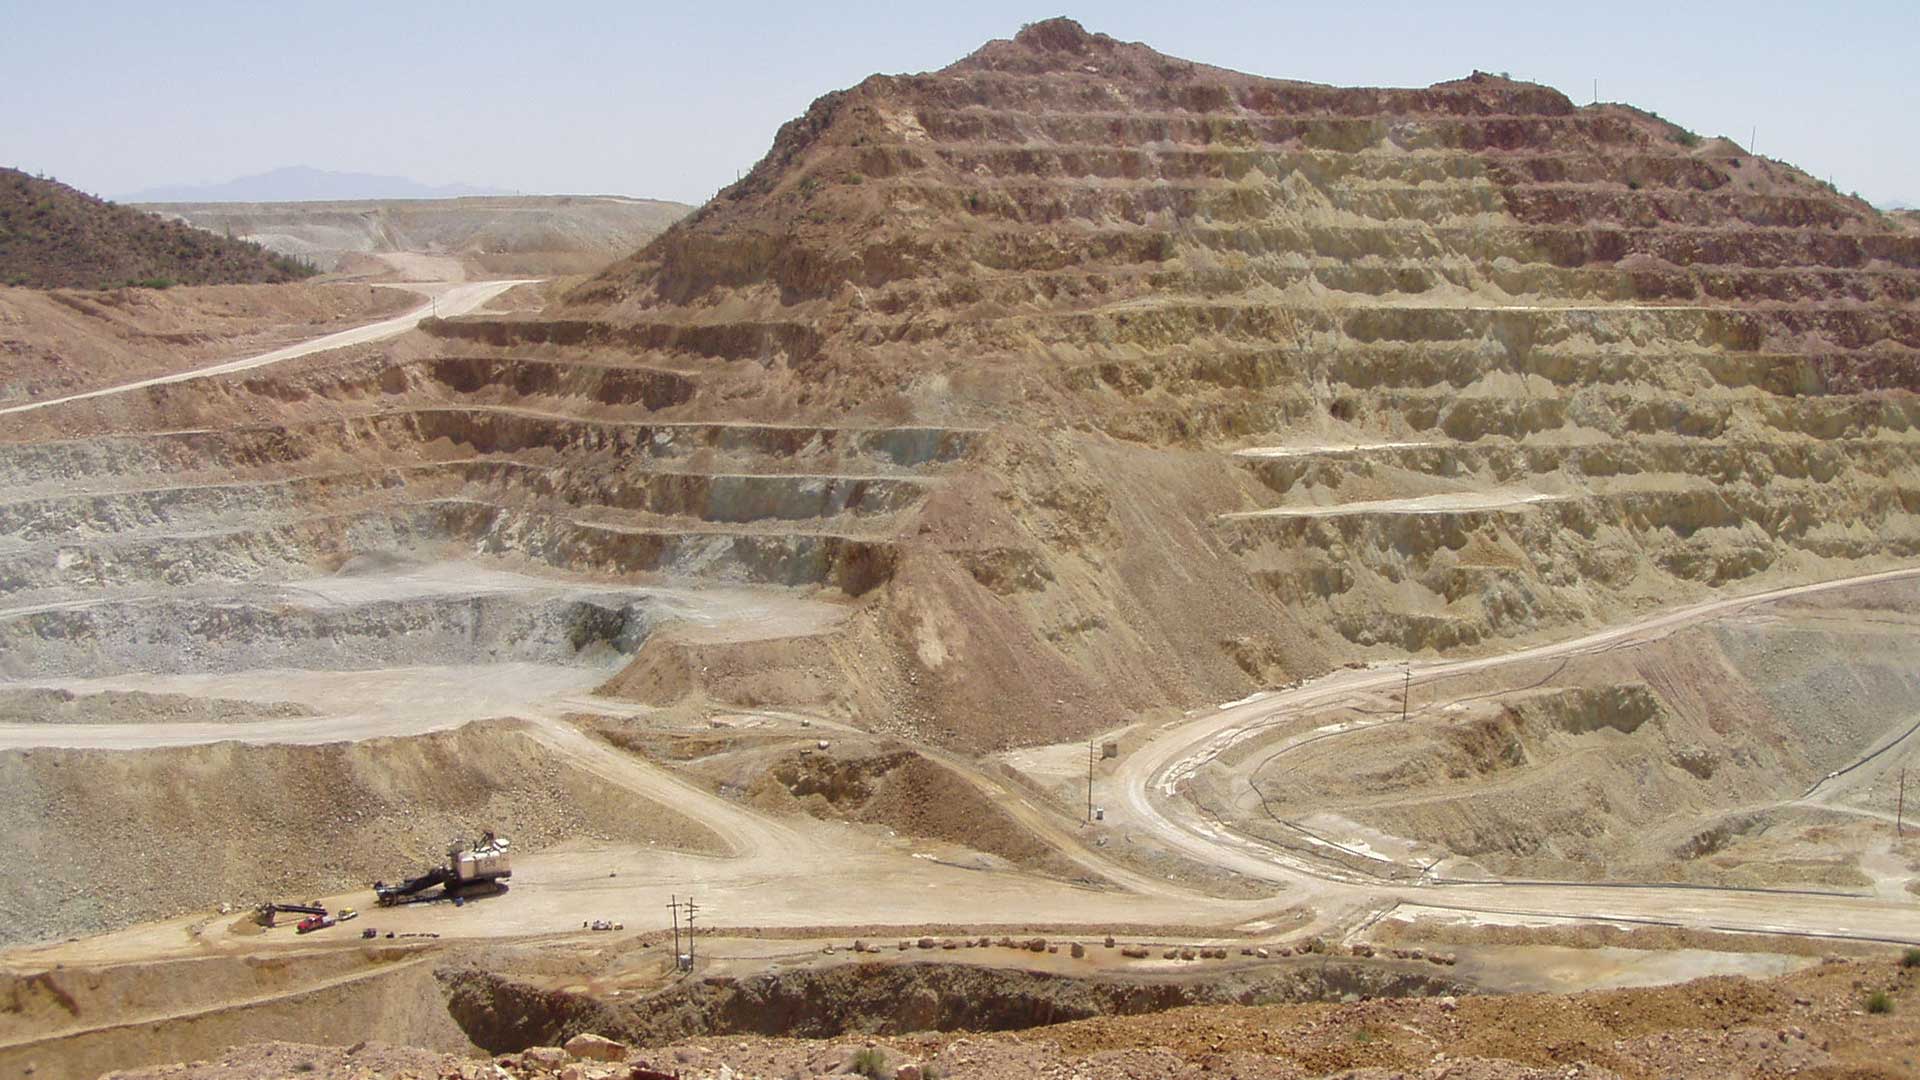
1879,1002
54,237
1910,958
870,1061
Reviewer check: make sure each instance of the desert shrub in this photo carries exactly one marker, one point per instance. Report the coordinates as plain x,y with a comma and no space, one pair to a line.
1910,958
870,1062
1879,1002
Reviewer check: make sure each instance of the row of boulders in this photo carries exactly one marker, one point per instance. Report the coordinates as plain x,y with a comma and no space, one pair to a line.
1309,947
584,1057
1361,948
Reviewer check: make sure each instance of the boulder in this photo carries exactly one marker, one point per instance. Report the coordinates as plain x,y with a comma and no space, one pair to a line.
550,1058
590,1047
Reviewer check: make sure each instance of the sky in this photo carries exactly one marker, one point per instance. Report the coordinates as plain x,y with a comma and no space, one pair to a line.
675,101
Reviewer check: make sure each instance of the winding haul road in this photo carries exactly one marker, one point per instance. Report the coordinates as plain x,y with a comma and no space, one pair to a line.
458,299
1150,781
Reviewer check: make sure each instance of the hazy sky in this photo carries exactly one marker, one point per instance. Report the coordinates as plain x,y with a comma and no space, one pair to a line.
673,101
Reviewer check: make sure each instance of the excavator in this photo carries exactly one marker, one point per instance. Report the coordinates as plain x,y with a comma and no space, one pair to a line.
266,913
470,870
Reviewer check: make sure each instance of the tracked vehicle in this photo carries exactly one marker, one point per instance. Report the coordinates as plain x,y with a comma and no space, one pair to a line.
477,870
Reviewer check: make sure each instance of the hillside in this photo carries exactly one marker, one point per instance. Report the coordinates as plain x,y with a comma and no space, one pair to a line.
1280,376
1096,382
509,235
54,237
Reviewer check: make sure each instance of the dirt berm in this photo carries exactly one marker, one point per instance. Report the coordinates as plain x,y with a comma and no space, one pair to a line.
501,1014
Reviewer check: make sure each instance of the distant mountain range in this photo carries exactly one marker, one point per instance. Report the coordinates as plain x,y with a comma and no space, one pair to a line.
299,183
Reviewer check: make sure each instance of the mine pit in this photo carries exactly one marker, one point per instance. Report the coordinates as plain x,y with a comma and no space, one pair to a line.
1069,536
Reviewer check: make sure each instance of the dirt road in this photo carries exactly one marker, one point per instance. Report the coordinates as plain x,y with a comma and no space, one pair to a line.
1151,780
444,300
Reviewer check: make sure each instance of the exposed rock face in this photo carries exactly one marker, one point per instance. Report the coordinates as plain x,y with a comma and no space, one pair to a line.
1003,353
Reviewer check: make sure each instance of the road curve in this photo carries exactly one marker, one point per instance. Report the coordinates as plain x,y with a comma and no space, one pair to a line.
458,300
1151,779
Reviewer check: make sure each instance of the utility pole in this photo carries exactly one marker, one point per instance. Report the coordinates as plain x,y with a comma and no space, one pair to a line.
674,906
691,909
1900,806
1093,749
1596,91
1406,689
1753,136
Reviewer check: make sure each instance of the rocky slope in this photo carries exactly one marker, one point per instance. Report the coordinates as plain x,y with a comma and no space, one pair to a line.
1278,374
1094,382
54,237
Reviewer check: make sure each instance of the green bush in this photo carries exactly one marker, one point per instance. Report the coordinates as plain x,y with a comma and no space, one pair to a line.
870,1062
1879,1002
1910,958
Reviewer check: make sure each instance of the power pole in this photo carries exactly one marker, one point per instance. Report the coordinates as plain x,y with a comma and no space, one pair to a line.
1900,806
691,909
1406,689
1093,748
674,906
